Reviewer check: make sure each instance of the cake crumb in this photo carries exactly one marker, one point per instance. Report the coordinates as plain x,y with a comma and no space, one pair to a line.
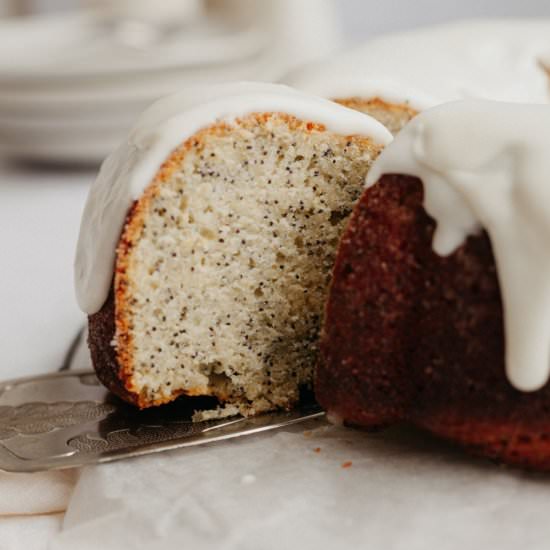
308,433
218,413
347,464
335,419
317,450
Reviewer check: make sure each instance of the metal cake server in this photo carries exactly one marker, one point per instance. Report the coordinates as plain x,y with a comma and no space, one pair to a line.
68,419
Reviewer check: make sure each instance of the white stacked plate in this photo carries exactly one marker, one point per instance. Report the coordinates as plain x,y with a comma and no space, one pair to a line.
71,85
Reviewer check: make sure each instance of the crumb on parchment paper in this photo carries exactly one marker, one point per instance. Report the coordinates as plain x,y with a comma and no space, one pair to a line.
248,479
347,464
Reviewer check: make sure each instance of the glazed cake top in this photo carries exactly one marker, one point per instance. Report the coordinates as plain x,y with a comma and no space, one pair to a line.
490,59
162,128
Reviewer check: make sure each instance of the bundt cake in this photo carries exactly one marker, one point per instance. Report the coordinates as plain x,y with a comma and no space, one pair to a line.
208,240
394,76
439,308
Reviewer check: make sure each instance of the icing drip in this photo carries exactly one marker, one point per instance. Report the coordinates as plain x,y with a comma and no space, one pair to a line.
163,127
489,59
486,164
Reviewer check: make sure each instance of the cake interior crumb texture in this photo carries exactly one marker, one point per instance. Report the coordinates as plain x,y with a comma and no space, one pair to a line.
225,261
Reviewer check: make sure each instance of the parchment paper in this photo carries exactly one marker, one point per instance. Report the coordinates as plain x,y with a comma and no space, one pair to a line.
310,487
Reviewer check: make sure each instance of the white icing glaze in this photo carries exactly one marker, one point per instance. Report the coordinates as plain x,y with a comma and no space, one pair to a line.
163,127
490,59
486,164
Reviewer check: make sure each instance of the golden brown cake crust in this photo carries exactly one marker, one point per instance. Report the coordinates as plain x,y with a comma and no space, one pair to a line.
392,115
359,103
414,337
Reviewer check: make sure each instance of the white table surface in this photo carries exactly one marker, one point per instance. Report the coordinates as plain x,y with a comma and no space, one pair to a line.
39,218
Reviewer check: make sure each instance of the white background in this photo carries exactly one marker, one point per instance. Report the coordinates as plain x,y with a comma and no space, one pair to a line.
363,18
